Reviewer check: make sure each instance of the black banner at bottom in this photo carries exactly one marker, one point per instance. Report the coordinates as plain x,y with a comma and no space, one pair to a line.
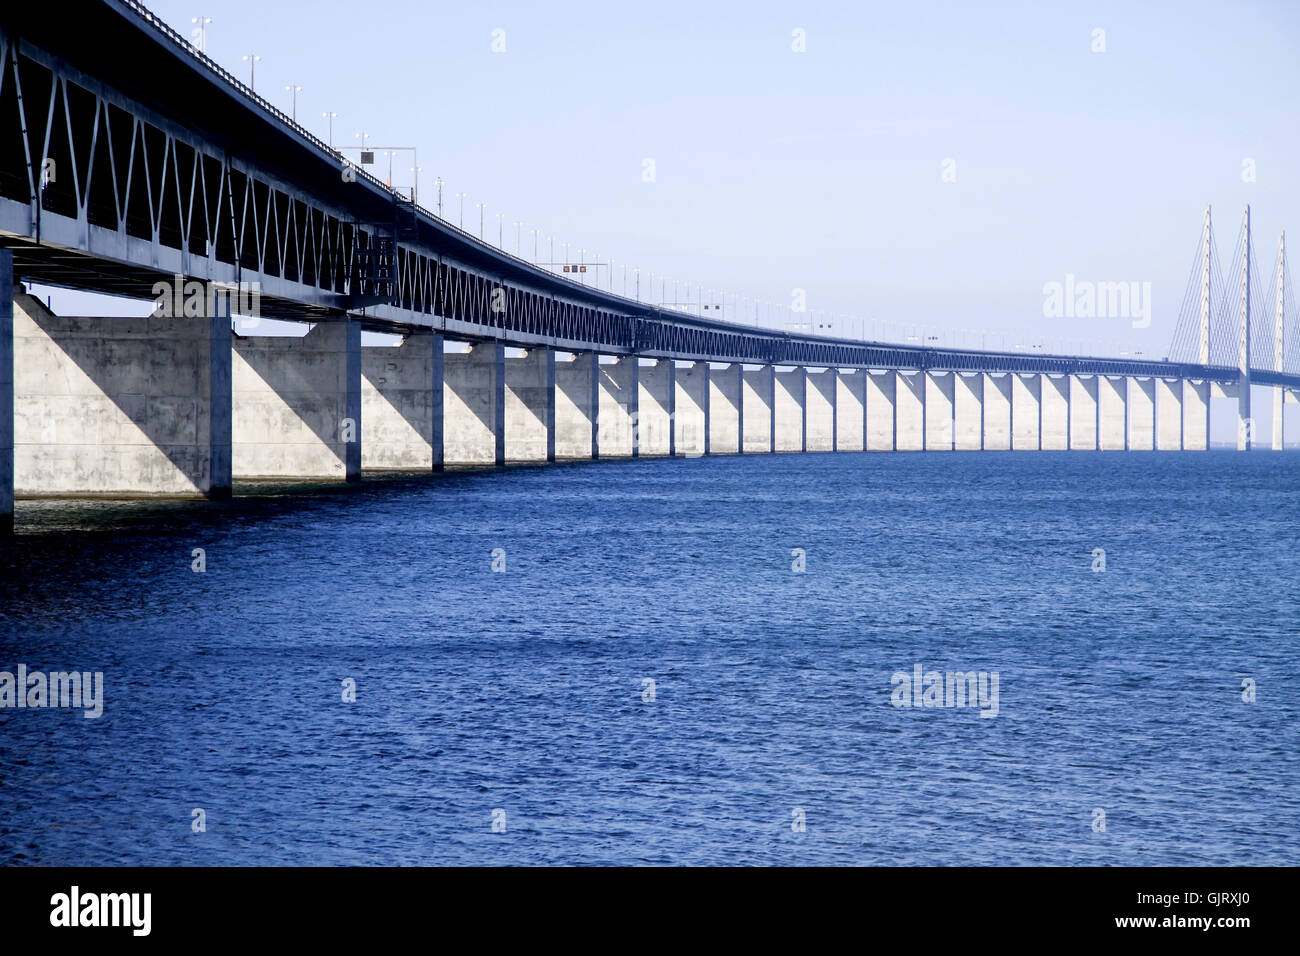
135,905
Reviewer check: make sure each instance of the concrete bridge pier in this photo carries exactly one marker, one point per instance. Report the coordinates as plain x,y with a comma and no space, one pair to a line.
6,391
727,410
882,422
1289,397
1227,391
821,410
657,407
790,409
401,404
1026,412
1140,405
1277,396
530,406
1282,397
297,404
940,400
758,409
577,405
1196,416
1084,417
1054,412
619,408
997,395
850,409
909,411
113,406
474,405
1112,413
691,406
1168,414
967,412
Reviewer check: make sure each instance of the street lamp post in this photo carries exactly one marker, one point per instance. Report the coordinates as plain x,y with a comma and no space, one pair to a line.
202,31
462,197
252,59
330,116
295,90
439,197
481,206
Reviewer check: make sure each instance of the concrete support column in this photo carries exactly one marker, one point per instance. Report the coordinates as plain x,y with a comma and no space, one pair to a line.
400,387
1141,418
790,410
1196,416
672,407
1026,405
656,404
1054,413
1083,412
352,387
437,402
116,405
1245,417
758,409
882,423
940,398
220,410
577,383
1279,398
297,404
909,411
530,406
967,412
820,409
850,409
474,403
6,391
619,408
1225,391
550,404
1168,414
997,411
1112,411
1289,397
691,422
726,410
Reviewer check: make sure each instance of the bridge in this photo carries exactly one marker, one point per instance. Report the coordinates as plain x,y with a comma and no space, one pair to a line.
138,166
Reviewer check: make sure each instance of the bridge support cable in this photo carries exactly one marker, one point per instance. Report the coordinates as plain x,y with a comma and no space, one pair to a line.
1191,339
1282,305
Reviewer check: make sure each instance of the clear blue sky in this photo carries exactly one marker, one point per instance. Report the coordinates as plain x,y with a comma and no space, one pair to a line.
821,171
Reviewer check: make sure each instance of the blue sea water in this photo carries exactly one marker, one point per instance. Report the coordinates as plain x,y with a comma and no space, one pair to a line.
524,691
